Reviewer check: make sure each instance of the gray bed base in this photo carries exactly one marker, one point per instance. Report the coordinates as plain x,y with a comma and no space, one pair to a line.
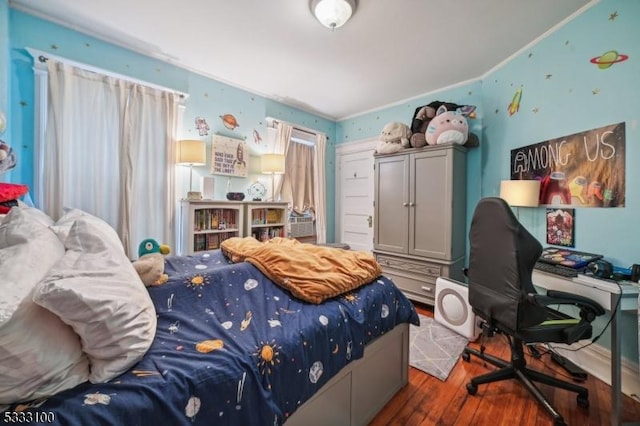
360,390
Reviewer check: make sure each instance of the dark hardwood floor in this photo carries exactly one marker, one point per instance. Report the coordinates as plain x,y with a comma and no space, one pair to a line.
428,401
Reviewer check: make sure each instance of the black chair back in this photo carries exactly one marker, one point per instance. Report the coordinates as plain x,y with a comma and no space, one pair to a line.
502,256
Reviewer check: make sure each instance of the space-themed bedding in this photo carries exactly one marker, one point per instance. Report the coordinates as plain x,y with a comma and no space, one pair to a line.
233,348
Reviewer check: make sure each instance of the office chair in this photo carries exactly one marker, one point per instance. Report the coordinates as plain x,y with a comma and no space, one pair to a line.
502,256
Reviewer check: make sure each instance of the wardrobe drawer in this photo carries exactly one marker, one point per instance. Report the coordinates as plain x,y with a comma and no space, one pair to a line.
420,288
391,263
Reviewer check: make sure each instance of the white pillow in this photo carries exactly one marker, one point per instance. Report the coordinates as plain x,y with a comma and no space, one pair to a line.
96,290
39,354
70,215
28,248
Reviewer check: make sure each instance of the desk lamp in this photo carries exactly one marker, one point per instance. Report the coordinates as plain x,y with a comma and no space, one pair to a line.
520,193
273,164
191,153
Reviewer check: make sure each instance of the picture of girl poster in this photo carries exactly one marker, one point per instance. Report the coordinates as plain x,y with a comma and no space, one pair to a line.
560,227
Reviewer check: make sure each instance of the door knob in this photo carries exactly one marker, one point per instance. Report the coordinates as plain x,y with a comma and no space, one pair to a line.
370,220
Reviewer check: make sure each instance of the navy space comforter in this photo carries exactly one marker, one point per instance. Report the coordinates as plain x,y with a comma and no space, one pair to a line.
233,348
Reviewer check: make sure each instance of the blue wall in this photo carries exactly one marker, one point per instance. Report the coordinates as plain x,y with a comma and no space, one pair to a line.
563,93
4,75
208,98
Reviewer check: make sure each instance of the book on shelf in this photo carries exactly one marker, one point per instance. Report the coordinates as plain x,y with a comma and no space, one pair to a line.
273,215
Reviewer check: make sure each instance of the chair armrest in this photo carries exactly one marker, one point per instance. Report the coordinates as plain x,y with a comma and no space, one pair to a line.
554,297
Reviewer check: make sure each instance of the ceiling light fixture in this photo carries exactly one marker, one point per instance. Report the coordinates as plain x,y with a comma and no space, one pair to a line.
333,13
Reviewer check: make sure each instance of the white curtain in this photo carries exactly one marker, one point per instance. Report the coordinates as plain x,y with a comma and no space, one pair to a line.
319,190
281,145
107,151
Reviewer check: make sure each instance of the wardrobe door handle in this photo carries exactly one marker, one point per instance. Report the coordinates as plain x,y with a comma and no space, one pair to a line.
405,204
412,204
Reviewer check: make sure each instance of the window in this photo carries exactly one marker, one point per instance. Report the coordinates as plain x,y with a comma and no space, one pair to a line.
303,182
105,145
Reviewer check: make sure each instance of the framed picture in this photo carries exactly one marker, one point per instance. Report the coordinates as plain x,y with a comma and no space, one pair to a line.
561,225
229,157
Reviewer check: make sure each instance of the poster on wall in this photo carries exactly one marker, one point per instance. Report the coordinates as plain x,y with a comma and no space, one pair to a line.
586,169
561,225
229,157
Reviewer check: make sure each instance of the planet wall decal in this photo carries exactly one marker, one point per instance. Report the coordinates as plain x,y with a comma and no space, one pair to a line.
229,121
609,58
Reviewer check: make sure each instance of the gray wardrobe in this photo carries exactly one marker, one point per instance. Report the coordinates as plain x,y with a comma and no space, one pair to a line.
420,217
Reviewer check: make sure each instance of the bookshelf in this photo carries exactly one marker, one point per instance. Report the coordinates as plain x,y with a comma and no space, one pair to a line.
204,224
265,220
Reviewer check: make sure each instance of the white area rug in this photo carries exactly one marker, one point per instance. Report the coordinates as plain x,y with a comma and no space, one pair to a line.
434,348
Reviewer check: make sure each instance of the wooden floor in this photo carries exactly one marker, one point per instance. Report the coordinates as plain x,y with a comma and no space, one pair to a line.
428,401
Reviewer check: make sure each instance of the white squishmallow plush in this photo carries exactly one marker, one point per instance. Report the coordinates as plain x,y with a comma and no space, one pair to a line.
393,138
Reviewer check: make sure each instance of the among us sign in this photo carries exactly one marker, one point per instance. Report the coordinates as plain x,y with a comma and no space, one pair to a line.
586,169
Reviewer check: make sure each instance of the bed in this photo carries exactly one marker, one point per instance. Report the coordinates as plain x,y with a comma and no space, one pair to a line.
229,345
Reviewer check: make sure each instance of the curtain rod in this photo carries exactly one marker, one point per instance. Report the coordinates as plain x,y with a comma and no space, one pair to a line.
43,57
296,127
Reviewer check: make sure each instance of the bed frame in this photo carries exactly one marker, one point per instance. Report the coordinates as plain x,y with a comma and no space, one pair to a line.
359,391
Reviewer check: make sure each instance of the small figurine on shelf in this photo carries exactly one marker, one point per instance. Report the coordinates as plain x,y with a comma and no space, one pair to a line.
222,224
264,235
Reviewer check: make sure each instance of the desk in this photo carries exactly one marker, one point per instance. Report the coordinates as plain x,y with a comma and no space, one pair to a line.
607,294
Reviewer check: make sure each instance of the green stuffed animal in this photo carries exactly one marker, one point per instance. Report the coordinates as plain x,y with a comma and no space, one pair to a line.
150,263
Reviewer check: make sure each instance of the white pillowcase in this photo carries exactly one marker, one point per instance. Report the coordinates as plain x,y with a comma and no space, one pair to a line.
39,354
28,248
63,226
96,290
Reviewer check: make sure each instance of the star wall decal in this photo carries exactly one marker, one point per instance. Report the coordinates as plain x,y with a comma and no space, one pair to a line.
595,91
535,110
54,47
548,76
613,16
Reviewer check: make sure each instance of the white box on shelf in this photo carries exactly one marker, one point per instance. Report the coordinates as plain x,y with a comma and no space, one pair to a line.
207,185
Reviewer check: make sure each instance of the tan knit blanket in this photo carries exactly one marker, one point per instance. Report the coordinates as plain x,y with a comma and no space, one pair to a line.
311,273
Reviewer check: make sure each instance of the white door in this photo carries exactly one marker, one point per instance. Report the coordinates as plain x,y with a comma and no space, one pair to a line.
356,199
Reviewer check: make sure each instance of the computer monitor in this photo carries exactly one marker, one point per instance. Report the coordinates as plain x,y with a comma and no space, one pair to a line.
570,258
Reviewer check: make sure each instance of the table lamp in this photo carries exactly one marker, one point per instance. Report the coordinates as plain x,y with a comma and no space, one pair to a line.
273,164
191,153
520,193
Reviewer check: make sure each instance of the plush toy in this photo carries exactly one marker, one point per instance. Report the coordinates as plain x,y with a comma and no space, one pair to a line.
447,127
393,138
424,114
150,263
420,122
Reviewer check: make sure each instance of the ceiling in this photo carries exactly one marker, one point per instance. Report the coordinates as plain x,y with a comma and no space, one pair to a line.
389,51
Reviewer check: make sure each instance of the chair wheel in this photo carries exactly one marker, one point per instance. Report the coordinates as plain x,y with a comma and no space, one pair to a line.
472,389
559,422
583,401
466,356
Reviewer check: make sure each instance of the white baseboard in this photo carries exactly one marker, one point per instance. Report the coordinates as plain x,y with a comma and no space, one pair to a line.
596,360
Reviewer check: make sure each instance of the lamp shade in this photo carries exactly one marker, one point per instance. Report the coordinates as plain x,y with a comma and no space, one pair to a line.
333,13
520,193
191,152
273,163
